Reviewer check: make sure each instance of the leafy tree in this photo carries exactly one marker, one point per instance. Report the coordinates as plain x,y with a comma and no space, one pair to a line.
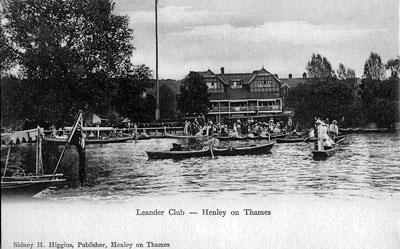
131,100
343,73
394,66
374,68
68,38
193,96
167,103
7,53
380,101
319,67
325,98
73,55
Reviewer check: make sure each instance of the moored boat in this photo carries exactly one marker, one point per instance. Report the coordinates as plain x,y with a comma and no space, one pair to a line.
18,183
90,140
224,151
184,136
290,140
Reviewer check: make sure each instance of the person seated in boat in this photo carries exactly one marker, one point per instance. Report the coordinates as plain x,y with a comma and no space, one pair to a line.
53,131
333,130
327,142
277,128
311,133
144,133
91,135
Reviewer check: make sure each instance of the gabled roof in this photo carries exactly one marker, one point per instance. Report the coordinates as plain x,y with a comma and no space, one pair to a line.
292,82
246,78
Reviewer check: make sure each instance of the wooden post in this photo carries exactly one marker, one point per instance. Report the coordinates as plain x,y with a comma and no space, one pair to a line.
82,166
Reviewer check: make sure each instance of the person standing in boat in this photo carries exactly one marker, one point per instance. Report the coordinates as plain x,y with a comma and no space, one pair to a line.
333,129
212,143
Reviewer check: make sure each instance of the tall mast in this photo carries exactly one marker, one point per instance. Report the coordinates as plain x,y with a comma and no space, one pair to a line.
157,83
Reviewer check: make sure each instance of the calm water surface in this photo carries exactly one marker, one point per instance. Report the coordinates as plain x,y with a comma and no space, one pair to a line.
367,167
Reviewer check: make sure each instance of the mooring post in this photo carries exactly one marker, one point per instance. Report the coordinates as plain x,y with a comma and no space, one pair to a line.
82,166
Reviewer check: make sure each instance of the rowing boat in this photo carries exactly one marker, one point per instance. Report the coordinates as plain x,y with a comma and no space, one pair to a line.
224,151
184,136
290,140
323,154
90,140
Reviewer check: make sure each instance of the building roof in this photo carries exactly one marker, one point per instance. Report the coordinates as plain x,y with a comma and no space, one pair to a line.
246,78
292,82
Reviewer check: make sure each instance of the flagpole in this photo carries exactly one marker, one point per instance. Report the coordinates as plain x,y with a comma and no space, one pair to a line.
157,82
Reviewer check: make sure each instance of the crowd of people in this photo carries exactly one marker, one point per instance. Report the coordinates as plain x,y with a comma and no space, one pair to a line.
239,128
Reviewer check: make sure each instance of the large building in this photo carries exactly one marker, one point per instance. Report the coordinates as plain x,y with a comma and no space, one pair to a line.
243,95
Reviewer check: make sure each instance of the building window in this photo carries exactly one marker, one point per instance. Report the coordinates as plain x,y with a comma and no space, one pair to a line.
214,86
236,84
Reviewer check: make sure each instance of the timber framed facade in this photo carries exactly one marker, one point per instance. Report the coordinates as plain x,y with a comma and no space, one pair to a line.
243,95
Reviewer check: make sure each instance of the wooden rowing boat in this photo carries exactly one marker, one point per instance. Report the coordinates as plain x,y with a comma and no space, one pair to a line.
323,154
290,140
225,151
90,140
185,136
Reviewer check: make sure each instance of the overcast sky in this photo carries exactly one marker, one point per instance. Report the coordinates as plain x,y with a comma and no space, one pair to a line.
244,35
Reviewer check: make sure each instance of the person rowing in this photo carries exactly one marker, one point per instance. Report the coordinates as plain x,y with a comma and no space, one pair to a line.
213,142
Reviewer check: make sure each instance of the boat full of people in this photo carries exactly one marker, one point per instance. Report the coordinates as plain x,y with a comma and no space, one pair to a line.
93,135
178,152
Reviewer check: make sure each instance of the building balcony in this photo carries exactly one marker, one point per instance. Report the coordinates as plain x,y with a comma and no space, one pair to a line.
246,109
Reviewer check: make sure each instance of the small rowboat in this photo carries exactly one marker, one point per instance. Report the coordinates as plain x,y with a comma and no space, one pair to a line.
290,140
226,138
89,140
323,154
184,136
225,151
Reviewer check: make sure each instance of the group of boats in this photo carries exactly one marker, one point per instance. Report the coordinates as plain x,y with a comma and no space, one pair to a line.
17,181
253,149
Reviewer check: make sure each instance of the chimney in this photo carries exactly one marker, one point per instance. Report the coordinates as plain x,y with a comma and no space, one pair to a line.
222,70
304,75
290,76
276,75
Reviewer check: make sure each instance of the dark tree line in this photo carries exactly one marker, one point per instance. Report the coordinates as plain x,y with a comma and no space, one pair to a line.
62,56
341,97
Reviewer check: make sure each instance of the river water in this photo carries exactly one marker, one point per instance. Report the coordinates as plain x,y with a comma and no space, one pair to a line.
367,167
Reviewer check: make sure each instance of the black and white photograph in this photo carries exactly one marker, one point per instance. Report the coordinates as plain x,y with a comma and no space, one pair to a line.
200,124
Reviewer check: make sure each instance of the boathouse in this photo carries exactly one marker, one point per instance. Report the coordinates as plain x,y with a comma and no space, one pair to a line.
243,95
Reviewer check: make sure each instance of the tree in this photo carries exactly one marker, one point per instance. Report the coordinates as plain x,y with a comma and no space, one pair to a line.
394,66
380,101
343,73
374,68
7,53
325,98
130,99
72,55
167,103
68,38
319,67
193,96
